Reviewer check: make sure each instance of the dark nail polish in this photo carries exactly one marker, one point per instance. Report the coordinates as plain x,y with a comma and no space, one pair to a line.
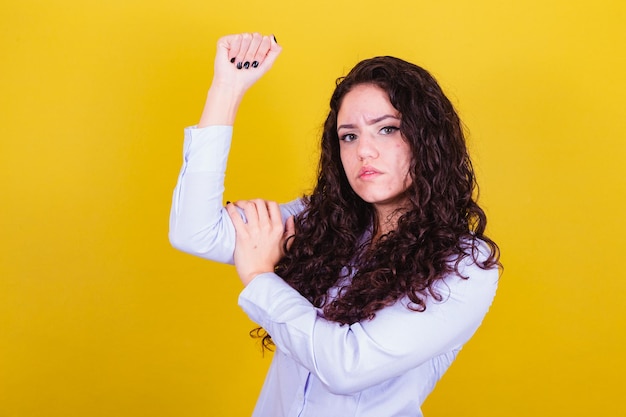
255,64
232,60
239,65
246,64
275,39
227,202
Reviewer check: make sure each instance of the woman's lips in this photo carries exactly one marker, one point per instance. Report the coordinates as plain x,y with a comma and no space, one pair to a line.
367,172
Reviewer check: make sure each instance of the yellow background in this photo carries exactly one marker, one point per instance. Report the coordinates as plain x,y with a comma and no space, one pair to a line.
99,316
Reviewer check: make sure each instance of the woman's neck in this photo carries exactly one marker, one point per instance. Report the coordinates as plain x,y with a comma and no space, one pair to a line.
387,221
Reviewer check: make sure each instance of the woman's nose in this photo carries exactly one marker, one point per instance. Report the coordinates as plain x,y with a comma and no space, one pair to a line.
366,148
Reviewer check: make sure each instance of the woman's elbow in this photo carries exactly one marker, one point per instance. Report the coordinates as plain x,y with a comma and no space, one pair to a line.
192,244
184,243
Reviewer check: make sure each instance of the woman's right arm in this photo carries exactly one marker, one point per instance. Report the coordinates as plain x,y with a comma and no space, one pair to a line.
198,223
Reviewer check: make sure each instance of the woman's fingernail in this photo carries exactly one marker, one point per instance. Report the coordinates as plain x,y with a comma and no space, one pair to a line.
239,65
246,64
255,64
227,202
274,38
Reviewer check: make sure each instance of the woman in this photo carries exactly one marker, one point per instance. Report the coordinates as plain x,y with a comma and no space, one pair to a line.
370,286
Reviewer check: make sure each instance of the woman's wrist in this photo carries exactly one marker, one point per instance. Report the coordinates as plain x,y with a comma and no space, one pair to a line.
221,105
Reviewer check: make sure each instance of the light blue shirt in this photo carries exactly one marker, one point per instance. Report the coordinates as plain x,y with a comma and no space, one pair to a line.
384,367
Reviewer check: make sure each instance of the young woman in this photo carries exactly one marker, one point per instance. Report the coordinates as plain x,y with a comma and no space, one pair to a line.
370,286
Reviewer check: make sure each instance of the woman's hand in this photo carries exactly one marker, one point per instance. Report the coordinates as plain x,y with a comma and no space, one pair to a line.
240,61
243,58
260,241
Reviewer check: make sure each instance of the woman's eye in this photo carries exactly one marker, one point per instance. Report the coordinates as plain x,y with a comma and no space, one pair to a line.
388,130
348,137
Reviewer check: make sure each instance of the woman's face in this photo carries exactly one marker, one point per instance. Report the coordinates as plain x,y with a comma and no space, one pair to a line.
374,154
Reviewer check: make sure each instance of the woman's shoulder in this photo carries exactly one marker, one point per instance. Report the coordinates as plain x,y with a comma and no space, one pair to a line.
474,270
479,251
292,208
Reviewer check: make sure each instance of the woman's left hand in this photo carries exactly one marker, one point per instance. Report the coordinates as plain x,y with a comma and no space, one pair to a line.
260,241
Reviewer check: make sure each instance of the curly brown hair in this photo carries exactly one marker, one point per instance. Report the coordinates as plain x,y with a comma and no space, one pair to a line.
443,225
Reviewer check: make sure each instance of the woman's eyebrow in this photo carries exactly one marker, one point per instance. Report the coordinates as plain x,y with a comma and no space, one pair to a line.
370,122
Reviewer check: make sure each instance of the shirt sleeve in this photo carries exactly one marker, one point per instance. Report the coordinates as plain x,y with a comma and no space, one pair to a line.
199,223
348,359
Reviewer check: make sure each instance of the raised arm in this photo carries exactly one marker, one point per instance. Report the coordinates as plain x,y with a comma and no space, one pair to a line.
198,223
240,61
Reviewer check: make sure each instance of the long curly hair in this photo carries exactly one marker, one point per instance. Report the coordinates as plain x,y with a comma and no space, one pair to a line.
443,225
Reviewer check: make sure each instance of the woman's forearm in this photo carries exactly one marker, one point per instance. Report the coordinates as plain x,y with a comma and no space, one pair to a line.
221,105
